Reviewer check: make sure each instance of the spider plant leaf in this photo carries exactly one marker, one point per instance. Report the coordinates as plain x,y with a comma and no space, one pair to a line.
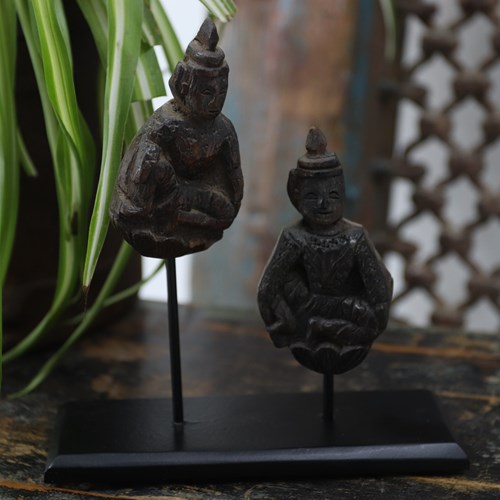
133,289
68,262
9,168
109,285
223,10
230,6
27,21
58,71
150,32
74,178
65,163
121,295
390,25
125,21
169,41
149,78
96,15
8,24
24,157
62,173
139,112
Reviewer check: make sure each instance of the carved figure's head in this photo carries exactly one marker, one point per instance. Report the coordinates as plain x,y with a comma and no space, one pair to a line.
199,82
316,186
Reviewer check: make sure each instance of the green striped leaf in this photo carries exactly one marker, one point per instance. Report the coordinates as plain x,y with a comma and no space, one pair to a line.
46,32
65,162
96,15
390,26
107,289
224,10
58,71
170,42
27,21
24,157
68,265
121,295
124,21
139,112
9,168
150,32
148,78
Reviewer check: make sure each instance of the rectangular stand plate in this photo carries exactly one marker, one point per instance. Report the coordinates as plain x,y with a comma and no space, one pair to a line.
252,437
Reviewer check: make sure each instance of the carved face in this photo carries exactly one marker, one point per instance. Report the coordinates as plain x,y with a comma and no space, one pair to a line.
206,95
320,200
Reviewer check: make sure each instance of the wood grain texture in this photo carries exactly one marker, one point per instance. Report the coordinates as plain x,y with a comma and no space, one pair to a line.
325,292
290,70
227,352
180,184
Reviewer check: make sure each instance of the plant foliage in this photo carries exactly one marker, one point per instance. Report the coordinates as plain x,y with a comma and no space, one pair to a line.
127,34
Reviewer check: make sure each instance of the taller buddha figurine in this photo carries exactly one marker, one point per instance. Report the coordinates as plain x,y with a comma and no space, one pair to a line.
180,183
325,292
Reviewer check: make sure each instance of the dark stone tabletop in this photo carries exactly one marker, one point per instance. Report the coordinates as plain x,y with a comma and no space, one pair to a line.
229,352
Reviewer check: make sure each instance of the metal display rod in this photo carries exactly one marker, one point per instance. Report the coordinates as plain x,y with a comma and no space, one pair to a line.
175,350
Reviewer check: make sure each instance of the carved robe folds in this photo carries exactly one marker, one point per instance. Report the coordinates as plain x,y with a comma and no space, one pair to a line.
180,183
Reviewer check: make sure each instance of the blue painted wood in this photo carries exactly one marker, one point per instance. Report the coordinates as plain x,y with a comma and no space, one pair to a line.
357,100
289,70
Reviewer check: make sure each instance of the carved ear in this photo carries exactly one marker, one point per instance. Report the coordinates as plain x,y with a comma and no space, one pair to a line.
184,88
293,188
178,81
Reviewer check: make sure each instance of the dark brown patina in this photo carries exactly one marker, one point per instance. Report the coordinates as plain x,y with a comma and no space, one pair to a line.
325,292
180,183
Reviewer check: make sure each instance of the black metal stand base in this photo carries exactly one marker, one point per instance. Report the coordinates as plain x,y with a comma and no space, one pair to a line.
252,437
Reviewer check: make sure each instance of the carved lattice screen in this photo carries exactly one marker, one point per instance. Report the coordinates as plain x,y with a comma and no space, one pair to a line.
443,231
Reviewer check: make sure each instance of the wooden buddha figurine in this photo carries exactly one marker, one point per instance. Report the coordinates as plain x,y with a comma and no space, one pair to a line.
325,292
180,183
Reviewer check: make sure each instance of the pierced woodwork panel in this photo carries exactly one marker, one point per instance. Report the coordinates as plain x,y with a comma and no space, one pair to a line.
442,238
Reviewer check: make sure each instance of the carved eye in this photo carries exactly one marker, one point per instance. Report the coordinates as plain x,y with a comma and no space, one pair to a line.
333,195
311,196
207,92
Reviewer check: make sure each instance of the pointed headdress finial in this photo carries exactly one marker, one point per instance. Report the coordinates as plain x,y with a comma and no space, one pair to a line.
315,142
317,157
203,50
207,35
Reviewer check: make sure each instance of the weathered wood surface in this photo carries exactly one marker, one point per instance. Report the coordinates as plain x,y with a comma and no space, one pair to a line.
231,354
325,292
290,70
180,183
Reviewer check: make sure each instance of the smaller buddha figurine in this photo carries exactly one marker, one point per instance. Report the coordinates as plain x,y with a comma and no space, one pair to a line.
180,183
325,292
